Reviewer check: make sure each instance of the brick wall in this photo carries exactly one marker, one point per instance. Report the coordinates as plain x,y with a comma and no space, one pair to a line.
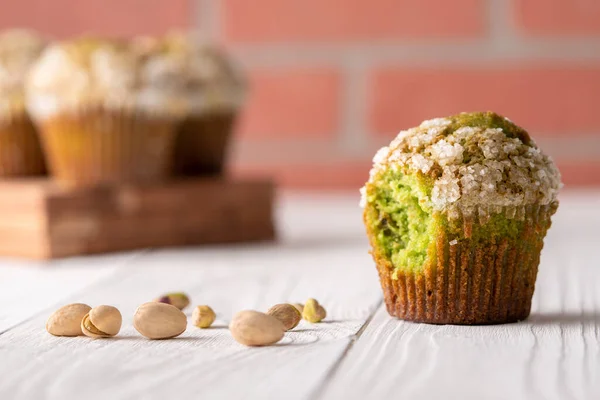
333,80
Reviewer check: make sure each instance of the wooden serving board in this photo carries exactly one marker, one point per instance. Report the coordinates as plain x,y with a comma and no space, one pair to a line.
40,219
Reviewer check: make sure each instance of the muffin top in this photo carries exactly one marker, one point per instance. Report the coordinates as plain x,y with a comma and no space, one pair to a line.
470,162
211,81
90,72
19,49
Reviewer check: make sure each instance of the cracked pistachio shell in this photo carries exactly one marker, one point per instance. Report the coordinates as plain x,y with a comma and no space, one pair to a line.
102,321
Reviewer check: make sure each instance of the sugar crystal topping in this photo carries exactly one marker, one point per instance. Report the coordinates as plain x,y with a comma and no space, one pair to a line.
474,169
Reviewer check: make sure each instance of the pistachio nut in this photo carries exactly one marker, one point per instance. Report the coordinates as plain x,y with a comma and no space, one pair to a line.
286,313
178,299
159,320
313,311
203,316
253,328
66,321
102,321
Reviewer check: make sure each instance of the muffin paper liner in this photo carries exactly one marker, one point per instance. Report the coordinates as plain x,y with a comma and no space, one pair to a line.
469,282
201,145
100,145
20,151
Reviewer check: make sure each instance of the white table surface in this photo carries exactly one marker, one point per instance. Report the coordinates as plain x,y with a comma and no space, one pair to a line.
359,352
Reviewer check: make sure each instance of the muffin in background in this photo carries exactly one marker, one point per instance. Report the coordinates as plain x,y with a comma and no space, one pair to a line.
105,114
456,211
214,92
20,152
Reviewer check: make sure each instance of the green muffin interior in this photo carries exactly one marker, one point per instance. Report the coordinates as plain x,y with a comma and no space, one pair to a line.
401,218
404,225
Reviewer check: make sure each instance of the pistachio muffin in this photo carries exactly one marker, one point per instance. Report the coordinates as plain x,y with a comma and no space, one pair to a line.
214,93
456,211
105,113
20,152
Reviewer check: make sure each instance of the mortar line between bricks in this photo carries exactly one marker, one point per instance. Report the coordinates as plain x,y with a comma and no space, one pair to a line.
352,137
195,17
526,52
585,148
578,142
207,18
502,32
217,18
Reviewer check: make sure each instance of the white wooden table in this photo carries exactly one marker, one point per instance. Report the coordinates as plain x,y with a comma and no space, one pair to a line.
358,353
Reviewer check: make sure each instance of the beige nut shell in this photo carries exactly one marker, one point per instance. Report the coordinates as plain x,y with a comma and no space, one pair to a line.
254,328
66,321
106,320
159,321
286,313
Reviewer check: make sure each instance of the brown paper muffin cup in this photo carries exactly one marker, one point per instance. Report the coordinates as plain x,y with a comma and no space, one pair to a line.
469,282
202,142
101,146
20,151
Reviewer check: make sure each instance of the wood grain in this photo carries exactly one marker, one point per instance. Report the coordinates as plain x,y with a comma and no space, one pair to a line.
39,219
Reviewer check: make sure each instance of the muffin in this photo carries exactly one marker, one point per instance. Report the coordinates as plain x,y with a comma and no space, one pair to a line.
105,113
456,211
214,92
20,152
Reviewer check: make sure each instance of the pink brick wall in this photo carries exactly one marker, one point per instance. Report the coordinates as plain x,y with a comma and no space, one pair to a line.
62,18
547,99
333,80
348,21
558,17
279,95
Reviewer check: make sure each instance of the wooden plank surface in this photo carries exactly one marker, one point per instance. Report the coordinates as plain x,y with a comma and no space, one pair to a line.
322,253
200,361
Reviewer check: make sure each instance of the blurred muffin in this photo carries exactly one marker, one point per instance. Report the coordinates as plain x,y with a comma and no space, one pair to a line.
20,152
105,113
456,211
214,92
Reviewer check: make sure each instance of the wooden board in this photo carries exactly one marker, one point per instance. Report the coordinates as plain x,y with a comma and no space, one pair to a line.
39,219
